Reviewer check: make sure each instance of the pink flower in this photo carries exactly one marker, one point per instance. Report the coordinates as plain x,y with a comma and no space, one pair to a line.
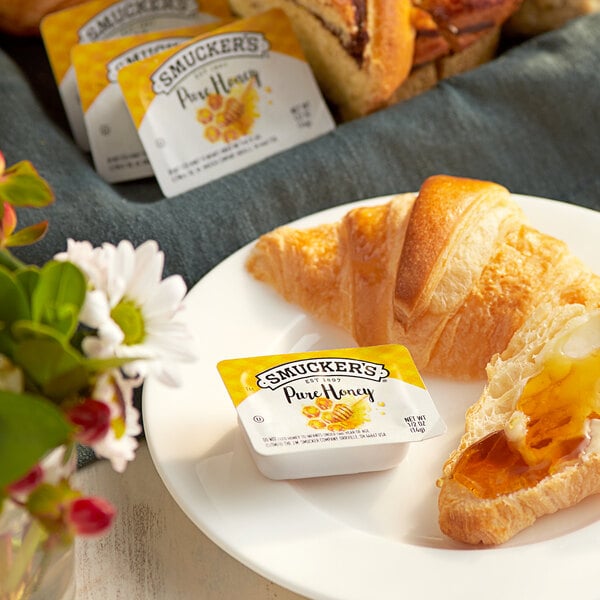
92,418
119,443
90,516
8,223
28,482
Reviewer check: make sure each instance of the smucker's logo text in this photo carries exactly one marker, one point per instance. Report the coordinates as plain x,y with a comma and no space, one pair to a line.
280,375
127,12
139,53
225,45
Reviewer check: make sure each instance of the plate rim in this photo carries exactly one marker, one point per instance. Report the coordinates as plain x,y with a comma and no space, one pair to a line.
221,539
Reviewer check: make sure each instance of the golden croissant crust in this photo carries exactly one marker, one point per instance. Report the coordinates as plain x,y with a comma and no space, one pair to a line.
451,273
458,275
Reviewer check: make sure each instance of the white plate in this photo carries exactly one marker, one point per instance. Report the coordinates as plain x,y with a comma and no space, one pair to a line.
350,537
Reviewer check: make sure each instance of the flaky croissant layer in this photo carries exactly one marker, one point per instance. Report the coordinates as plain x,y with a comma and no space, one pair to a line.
458,275
451,272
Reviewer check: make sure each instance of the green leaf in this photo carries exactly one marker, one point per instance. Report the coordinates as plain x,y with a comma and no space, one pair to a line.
14,307
14,304
30,426
54,366
7,343
27,235
30,330
28,278
59,296
68,382
47,501
97,365
21,185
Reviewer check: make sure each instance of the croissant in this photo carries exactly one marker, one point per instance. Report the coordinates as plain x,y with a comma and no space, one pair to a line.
451,272
458,275
532,441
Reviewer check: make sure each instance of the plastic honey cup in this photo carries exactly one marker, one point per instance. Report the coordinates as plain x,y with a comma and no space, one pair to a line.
330,412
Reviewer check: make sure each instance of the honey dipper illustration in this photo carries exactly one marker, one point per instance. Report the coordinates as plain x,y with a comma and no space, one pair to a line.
346,413
227,118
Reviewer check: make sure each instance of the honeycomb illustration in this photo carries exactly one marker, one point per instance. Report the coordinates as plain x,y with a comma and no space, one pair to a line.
226,118
341,415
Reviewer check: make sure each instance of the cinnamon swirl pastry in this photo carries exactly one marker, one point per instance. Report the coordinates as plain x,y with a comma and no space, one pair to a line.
367,54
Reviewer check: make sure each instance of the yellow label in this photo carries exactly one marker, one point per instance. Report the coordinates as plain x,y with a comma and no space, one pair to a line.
104,19
139,82
224,101
97,63
244,377
342,401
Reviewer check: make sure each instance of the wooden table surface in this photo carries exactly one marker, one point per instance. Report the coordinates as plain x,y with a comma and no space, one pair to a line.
153,550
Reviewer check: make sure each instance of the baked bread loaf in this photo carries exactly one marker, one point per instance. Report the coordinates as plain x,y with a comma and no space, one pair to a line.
435,58
452,273
538,16
532,441
358,59
24,17
367,54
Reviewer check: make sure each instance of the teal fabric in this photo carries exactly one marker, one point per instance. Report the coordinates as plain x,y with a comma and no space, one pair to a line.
529,120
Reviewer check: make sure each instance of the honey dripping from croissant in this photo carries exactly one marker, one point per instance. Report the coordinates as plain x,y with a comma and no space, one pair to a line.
555,405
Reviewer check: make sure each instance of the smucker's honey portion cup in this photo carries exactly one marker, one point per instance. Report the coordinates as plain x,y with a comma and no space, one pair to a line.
224,101
106,19
330,412
116,149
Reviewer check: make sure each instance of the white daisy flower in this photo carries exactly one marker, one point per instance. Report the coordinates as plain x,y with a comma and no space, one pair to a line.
133,311
88,259
119,444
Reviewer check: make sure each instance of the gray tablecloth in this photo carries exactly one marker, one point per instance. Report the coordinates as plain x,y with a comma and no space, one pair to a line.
529,120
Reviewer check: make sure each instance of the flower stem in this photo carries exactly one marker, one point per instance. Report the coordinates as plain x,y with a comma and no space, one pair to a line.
22,557
8,260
